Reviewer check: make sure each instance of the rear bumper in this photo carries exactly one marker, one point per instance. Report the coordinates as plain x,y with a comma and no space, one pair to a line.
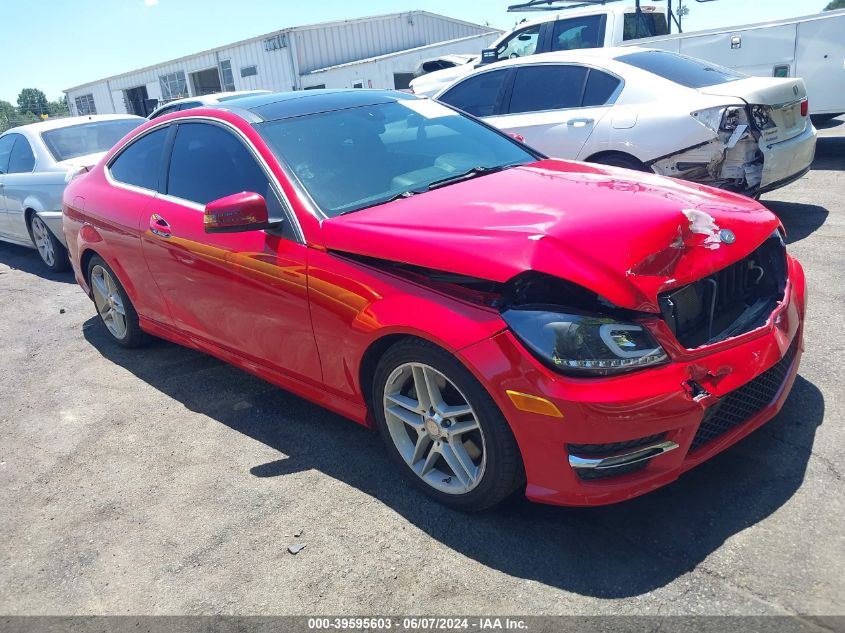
788,160
651,405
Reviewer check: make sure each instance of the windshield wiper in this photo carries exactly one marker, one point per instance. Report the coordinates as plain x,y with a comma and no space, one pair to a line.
393,198
481,170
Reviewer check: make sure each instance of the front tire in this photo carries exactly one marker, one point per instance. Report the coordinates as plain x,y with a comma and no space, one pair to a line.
113,305
442,428
53,253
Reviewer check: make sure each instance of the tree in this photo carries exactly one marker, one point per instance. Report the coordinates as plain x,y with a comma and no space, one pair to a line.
7,112
58,107
34,101
835,4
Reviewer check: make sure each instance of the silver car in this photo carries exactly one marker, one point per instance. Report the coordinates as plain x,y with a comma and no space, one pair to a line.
36,161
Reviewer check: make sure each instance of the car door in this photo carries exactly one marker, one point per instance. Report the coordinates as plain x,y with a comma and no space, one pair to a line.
17,184
556,107
244,293
6,143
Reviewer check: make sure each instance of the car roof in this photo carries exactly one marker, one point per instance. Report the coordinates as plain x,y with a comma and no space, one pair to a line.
56,123
212,98
580,55
285,105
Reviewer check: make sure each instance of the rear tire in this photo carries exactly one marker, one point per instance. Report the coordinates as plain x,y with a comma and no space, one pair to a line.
621,160
53,253
114,308
451,441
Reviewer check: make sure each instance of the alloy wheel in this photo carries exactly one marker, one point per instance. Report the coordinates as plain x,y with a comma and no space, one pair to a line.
108,301
434,428
43,242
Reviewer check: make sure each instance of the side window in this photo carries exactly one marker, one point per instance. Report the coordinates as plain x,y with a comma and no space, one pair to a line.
6,144
22,160
209,162
583,32
164,111
477,95
140,163
600,87
519,44
547,87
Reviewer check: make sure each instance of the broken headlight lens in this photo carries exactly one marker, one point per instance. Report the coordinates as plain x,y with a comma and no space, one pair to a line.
584,345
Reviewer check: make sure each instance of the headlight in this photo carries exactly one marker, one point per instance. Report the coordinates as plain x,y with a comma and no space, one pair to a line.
584,345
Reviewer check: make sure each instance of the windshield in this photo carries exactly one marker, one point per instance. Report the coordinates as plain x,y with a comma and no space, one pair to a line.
686,71
359,157
87,138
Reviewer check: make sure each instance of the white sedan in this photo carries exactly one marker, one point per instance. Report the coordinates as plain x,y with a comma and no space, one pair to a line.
36,161
186,103
649,110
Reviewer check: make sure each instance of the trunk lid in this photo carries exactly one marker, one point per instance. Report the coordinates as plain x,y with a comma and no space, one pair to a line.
625,235
781,96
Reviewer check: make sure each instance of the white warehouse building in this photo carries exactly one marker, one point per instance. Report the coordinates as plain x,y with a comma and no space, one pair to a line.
375,52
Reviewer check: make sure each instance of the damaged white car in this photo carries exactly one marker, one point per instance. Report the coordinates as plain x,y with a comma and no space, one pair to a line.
649,110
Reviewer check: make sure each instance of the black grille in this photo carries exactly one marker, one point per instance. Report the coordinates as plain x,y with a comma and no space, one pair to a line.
731,301
606,450
743,403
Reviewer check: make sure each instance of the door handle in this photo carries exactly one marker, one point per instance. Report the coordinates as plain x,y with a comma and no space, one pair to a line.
579,122
159,226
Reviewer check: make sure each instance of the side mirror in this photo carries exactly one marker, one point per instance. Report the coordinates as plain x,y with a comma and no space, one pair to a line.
245,211
517,137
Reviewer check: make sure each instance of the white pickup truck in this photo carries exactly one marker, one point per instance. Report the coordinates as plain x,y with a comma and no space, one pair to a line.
811,47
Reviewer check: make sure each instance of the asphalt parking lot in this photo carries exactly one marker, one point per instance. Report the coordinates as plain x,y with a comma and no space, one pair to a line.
162,481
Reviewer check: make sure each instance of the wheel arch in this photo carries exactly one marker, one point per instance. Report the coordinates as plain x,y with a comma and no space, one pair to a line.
597,156
370,360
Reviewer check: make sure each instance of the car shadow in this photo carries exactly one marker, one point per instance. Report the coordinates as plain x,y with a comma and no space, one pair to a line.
830,153
829,123
29,261
799,219
609,552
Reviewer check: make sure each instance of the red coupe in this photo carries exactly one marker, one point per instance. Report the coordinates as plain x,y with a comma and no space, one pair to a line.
506,321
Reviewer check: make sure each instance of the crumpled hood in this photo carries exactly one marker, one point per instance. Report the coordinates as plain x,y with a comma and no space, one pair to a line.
625,235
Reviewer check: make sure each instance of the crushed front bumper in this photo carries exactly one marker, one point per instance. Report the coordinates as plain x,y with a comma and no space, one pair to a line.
649,419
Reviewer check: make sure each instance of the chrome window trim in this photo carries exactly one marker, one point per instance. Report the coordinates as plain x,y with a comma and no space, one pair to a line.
271,177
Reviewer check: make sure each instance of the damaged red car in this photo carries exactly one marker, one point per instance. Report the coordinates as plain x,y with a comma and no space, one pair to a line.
506,321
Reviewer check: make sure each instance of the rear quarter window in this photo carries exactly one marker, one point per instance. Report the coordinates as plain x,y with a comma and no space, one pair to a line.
140,163
682,70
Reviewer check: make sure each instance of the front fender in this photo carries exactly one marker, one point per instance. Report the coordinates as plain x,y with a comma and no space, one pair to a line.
353,305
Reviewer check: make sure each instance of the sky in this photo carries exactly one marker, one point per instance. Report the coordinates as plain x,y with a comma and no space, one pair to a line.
66,43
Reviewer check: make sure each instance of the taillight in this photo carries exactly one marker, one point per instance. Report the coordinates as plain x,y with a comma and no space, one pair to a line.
805,107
